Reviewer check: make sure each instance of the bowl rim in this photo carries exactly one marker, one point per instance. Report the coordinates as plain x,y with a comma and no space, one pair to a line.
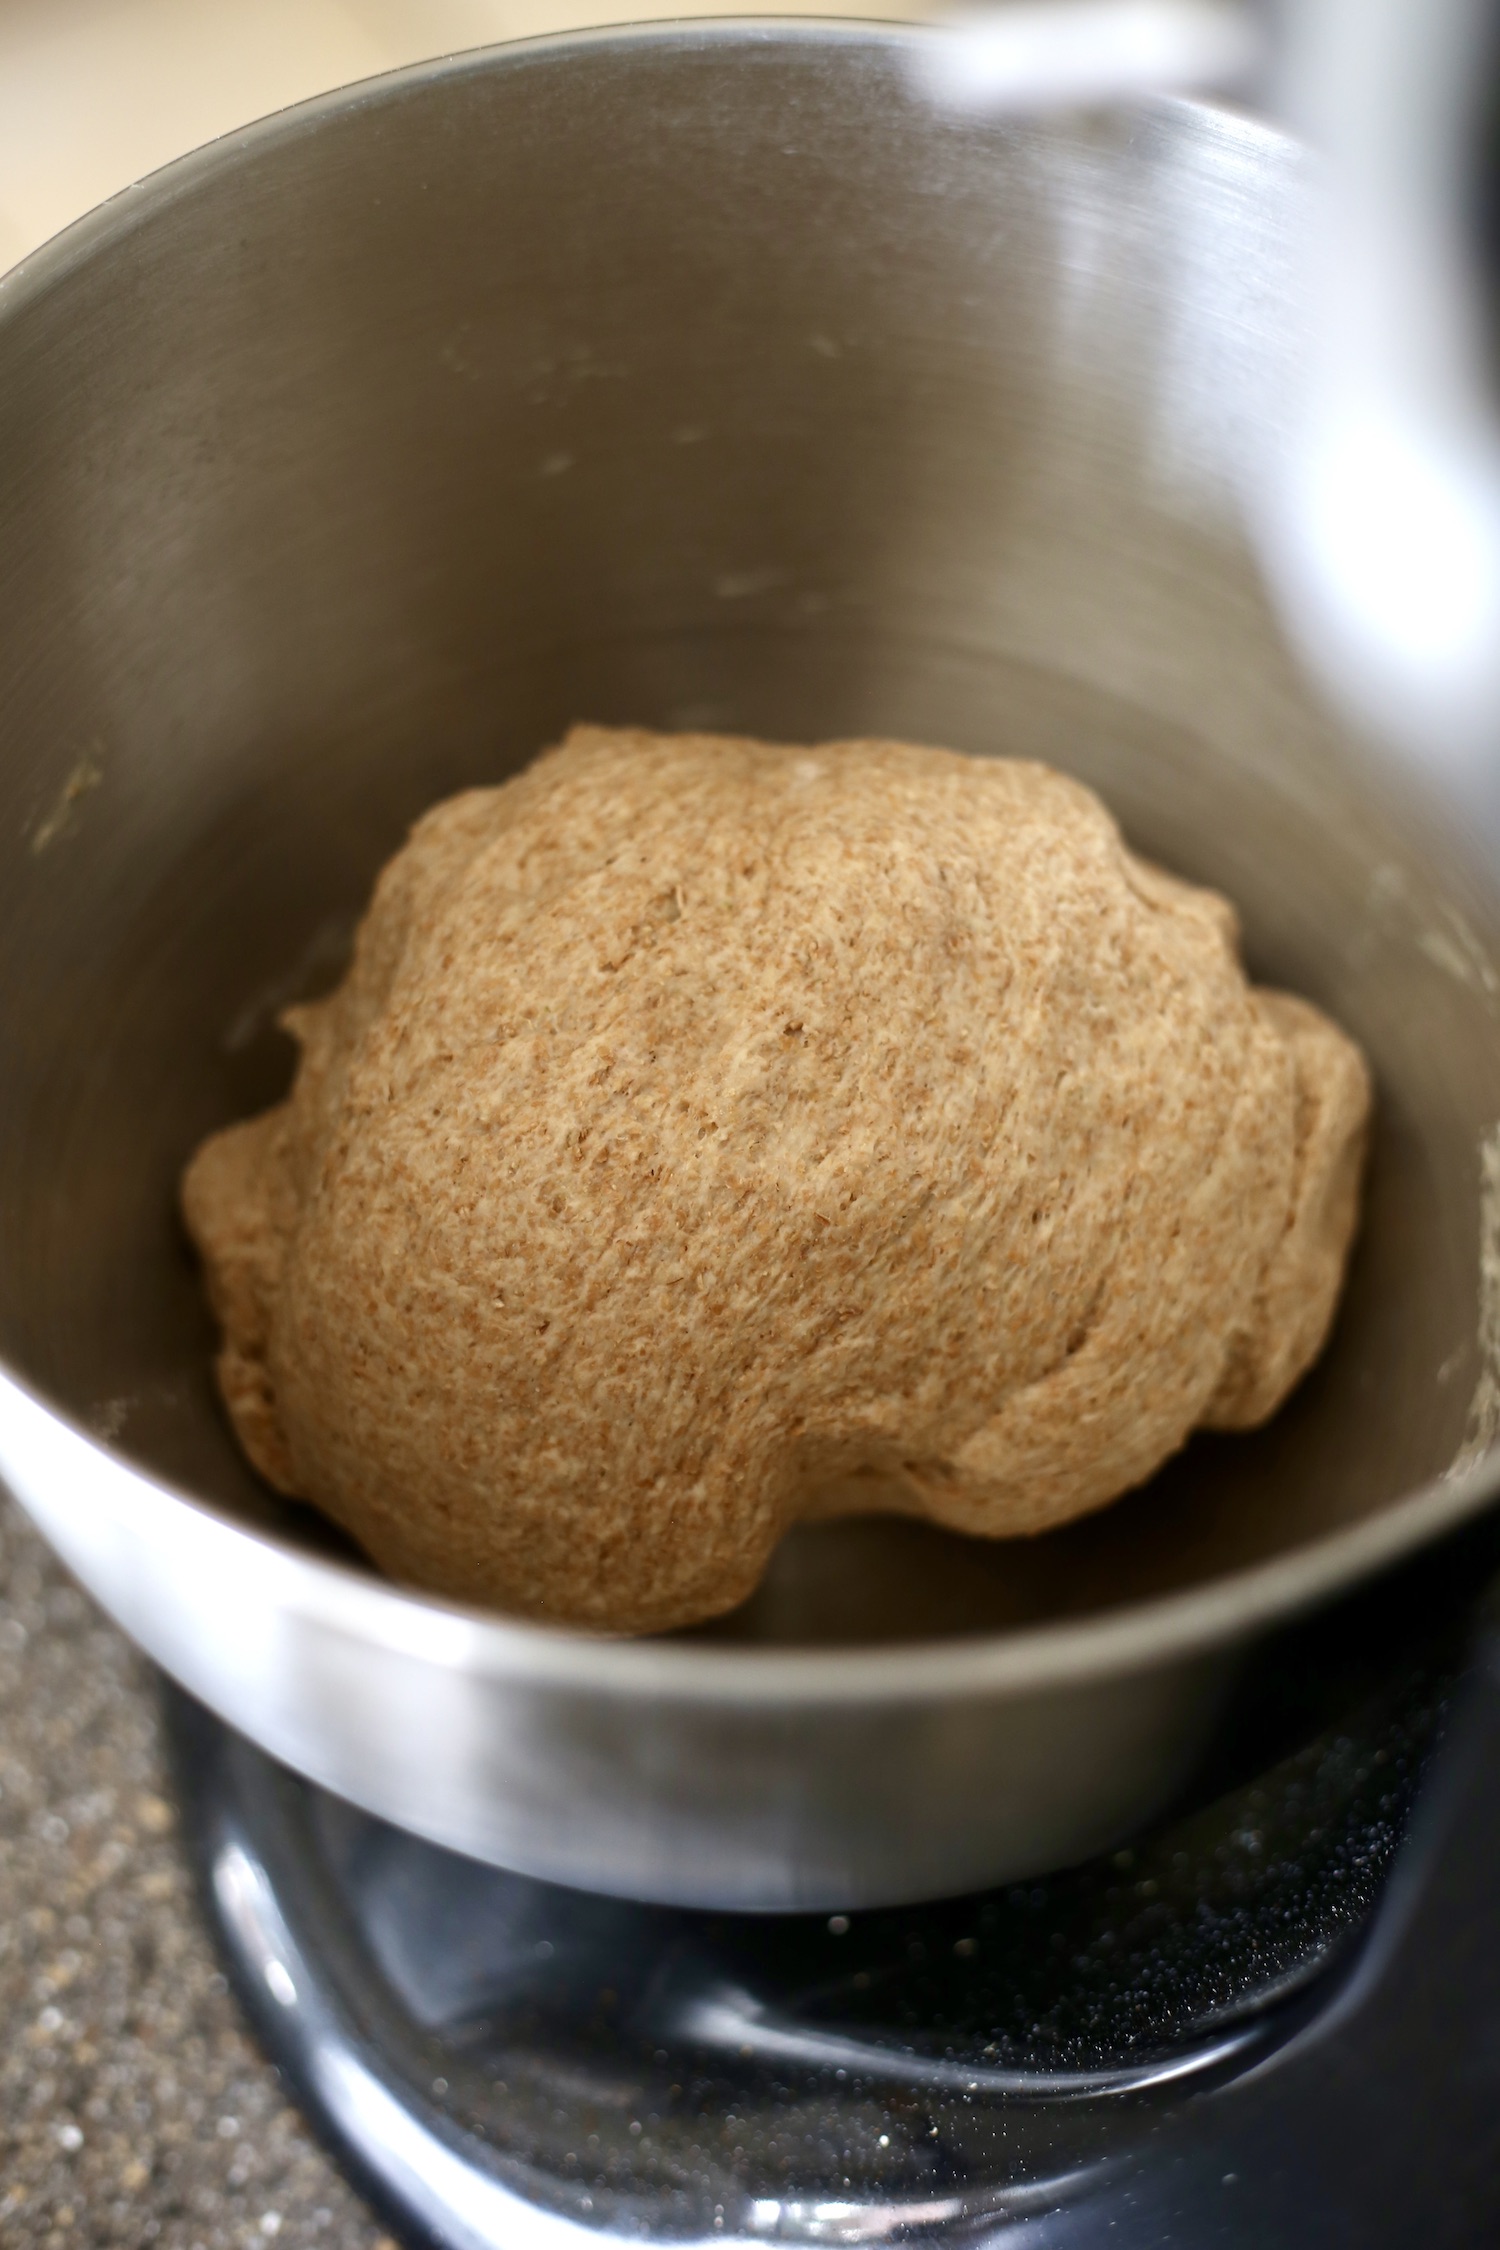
349,1603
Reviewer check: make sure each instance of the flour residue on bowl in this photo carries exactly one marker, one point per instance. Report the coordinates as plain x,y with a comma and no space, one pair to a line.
1440,930
1483,1425
86,775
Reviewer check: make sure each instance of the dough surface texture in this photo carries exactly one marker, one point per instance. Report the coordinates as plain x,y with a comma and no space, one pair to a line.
701,1122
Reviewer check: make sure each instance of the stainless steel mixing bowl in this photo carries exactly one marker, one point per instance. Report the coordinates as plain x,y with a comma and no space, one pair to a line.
699,375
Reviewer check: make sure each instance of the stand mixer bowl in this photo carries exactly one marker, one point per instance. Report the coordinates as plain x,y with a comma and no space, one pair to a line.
701,376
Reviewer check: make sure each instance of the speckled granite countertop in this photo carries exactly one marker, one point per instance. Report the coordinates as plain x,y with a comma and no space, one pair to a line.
133,2107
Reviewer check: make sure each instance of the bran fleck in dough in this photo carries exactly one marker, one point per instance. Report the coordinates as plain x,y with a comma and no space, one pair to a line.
702,1121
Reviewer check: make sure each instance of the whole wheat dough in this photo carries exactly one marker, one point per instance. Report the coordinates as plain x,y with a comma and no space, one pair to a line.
703,1122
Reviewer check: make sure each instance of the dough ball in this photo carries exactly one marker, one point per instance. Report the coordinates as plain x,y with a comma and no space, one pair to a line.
703,1124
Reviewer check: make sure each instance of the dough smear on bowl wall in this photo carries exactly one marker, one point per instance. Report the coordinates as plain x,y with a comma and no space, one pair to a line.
710,1134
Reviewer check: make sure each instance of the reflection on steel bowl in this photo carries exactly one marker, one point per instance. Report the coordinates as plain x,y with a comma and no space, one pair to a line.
705,377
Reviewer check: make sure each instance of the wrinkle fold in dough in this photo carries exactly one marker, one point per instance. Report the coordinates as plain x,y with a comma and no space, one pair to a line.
703,1124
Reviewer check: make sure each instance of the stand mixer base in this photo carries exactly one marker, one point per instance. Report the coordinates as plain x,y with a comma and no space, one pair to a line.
498,2061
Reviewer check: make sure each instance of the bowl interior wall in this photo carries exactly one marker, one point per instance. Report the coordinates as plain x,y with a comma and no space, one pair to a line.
687,384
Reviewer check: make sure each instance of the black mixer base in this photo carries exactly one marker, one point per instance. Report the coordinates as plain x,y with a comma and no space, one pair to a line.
1276,2019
